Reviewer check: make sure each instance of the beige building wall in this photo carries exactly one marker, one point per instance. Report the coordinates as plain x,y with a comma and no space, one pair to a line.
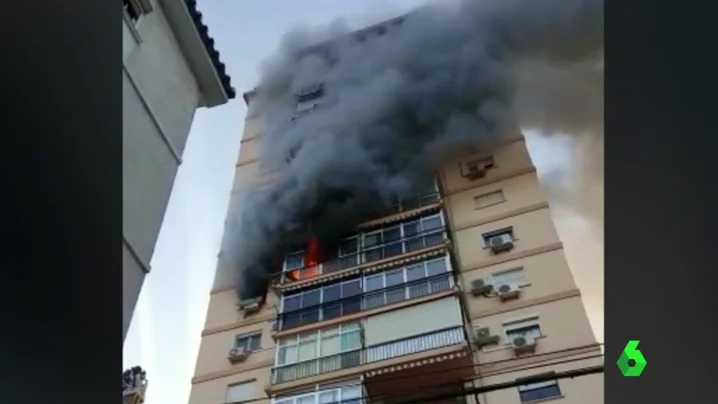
508,196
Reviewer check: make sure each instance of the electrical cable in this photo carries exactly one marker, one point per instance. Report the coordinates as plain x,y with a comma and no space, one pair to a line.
492,363
511,369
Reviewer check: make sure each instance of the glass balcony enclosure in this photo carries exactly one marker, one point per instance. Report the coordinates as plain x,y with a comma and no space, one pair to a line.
369,292
347,394
386,242
397,333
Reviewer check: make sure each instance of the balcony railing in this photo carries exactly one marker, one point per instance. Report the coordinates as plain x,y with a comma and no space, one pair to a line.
415,344
317,366
390,249
410,204
350,359
365,301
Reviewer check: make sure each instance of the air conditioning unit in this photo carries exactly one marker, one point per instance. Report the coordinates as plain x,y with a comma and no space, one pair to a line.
501,243
484,337
523,344
237,355
250,306
474,172
508,291
480,287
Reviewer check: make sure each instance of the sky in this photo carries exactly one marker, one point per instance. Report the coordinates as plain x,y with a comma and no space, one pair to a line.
164,335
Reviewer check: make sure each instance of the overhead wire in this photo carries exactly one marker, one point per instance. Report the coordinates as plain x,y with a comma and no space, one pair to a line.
511,369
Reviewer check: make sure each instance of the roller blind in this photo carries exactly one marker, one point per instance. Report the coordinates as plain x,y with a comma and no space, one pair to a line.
413,320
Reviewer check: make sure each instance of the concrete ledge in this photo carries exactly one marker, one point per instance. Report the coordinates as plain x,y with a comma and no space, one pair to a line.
522,304
233,371
511,256
502,216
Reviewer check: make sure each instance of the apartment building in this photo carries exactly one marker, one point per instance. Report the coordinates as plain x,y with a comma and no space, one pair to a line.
170,68
462,286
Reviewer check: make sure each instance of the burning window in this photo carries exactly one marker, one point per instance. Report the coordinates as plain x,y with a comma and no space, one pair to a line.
294,261
304,264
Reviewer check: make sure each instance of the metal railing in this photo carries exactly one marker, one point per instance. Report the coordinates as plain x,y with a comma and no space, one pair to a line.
415,344
393,248
410,204
317,366
365,301
350,359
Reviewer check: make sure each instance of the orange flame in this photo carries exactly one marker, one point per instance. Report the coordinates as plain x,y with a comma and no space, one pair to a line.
311,254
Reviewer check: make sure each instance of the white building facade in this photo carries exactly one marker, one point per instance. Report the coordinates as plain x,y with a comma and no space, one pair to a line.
170,68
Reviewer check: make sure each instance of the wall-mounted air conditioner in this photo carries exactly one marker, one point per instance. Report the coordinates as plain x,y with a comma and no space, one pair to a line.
484,337
523,344
237,355
250,306
479,287
508,291
501,243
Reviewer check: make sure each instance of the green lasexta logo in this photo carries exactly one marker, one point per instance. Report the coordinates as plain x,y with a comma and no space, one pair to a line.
631,361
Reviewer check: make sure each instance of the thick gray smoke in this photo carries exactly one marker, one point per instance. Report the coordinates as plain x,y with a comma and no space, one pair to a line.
400,100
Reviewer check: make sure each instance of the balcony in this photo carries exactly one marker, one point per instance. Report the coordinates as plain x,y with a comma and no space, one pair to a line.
411,204
419,343
365,359
368,247
430,284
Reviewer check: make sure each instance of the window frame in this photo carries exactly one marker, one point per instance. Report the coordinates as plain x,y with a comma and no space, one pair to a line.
321,303
530,387
402,234
297,341
475,161
486,236
362,250
499,191
519,323
248,336
319,390
405,273
520,281
286,260
245,382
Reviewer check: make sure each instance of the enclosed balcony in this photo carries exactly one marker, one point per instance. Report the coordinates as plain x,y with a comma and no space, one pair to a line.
398,341
369,292
368,247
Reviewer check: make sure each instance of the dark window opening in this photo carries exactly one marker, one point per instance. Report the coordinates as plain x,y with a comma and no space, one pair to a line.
539,391
132,9
310,93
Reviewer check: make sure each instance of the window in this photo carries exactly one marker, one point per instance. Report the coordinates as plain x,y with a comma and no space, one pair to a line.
344,395
386,284
498,237
481,163
317,344
321,304
248,342
477,167
528,328
403,238
509,276
240,392
133,9
539,390
307,98
294,261
488,199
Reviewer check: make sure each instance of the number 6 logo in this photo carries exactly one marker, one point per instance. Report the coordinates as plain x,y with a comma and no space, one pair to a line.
631,361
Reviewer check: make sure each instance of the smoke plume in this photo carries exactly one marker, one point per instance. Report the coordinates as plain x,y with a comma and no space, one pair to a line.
400,100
